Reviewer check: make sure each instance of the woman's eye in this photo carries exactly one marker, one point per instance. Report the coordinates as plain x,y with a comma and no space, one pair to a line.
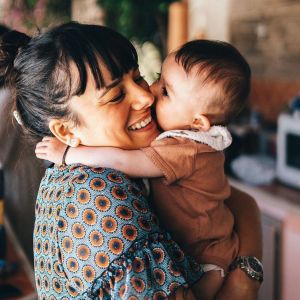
164,92
139,79
117,99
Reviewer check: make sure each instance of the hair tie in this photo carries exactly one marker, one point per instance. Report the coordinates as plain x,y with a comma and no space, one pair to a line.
17,117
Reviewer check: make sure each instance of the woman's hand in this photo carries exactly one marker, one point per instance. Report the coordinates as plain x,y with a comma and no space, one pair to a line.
50,149
239,286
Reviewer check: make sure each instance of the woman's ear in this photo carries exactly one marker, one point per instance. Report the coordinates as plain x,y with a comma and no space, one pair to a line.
200,122
62,131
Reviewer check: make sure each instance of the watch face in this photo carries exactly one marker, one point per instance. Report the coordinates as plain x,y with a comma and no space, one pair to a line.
251,266
254,265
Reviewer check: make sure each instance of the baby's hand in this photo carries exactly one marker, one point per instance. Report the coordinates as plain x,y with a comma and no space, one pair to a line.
50,149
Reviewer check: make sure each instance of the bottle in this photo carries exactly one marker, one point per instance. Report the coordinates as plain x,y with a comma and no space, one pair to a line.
2,230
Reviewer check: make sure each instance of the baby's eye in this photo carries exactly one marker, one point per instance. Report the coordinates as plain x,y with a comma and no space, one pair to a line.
164,92
158,76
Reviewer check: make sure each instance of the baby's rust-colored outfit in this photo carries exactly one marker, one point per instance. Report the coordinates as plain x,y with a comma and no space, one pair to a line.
189,199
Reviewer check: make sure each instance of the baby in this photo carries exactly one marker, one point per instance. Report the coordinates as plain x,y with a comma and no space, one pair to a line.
202,86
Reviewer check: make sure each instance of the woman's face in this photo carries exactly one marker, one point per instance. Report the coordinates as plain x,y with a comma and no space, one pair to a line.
118,115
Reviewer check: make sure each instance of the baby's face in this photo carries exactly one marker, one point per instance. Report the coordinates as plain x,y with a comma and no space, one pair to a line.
177,96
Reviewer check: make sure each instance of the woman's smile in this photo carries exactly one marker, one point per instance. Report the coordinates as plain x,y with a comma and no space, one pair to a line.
141,124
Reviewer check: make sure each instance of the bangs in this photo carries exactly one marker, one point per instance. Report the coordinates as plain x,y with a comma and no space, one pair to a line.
94,47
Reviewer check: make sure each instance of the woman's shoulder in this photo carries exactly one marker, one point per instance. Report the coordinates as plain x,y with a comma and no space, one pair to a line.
85,194
99,180
78,174
84,184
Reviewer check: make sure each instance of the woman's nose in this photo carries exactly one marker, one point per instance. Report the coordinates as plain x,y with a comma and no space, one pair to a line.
142,97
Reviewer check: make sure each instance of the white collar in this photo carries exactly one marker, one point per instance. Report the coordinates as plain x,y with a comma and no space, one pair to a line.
217,137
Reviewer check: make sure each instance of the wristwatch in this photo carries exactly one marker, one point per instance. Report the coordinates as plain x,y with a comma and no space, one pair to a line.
250,265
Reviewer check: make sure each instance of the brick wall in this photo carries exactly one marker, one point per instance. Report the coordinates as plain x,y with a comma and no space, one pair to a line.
209,19
267,33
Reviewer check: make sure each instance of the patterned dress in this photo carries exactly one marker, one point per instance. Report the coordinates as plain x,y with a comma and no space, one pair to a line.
95,237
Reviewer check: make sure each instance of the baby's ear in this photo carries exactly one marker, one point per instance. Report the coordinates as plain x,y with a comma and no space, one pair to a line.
201,123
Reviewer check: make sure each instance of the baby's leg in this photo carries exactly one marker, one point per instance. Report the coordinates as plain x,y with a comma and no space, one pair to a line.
209,285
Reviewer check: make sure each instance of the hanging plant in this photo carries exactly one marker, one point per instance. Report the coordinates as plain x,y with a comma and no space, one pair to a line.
140,20
27,15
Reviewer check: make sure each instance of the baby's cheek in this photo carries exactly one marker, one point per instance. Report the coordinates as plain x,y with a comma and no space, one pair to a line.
162,119
158,111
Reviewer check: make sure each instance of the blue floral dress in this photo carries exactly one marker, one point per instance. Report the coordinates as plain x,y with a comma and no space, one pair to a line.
95,237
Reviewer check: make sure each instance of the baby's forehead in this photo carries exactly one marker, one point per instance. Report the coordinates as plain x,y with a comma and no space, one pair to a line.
195,72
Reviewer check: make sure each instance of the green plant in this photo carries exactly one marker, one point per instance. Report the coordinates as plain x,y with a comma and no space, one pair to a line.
141,20
30,14
60,9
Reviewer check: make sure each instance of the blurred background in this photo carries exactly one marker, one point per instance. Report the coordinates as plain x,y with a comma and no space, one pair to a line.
264,159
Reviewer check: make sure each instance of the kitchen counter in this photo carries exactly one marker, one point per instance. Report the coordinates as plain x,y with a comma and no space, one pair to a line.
276,198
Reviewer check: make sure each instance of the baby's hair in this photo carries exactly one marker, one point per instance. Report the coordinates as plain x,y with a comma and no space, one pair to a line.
222,65
37,70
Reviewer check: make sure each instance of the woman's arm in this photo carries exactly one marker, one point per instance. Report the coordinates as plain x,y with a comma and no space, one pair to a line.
248,226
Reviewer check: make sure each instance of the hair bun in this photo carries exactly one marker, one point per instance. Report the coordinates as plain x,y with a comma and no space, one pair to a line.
10,44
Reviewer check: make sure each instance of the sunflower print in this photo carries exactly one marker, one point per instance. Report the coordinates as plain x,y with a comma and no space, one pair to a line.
129,232
72,210
72,264
115,245
102,203
124,212
96,238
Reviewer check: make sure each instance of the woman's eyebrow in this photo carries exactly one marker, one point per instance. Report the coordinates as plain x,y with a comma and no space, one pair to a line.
108,87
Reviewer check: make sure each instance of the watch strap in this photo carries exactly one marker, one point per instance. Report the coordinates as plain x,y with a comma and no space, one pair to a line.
246,264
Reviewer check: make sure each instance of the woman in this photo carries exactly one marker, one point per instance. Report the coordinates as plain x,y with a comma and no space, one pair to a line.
95,235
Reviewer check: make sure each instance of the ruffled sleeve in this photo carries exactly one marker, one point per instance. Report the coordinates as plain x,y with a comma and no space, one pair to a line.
155,268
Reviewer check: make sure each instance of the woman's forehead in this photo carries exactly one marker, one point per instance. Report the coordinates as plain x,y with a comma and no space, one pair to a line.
109,79
76,77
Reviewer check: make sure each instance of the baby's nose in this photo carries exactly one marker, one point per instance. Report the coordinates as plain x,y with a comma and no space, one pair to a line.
154,88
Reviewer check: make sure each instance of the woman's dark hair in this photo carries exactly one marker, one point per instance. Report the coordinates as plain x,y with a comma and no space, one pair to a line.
37,70
222,64
3,29
11,41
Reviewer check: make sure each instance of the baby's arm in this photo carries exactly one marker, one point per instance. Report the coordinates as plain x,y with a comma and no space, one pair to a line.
131,162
